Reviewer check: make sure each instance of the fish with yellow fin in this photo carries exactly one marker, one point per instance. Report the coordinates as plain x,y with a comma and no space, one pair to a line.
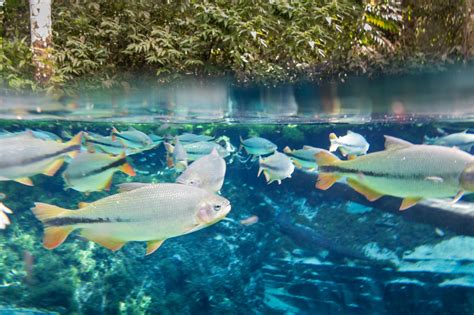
24,155
276,167
94,171
152,214
176,155
405,170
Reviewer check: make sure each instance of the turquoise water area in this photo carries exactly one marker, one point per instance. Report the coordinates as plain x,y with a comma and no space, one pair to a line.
310,251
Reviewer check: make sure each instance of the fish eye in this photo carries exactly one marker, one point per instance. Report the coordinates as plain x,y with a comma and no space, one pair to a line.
217,208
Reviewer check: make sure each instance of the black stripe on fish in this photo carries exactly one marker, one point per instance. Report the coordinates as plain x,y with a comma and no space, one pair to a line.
41,157
103,168
118,135
339,169
80,220
113,144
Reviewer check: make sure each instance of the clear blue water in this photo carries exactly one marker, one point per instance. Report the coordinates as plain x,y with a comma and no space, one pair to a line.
311,251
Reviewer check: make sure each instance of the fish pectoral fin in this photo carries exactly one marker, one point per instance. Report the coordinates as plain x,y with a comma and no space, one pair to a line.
24,180
103,240
152,246
53,167
55,236
326,180
409,202
457,197
83,204
368,193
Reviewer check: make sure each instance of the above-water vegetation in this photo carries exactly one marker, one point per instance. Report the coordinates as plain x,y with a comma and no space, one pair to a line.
107,43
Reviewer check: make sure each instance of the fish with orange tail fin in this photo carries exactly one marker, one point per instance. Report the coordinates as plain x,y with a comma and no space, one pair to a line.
90,172
404,170
24,156
151,214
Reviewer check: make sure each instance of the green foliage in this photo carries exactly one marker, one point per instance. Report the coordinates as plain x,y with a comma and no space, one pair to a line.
105,42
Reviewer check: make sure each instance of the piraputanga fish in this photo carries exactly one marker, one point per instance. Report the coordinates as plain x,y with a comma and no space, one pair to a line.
176,156
304,158
149,214
206,172
94,171
197,150
95,142
186,138
24,156
132,138
350,144
258,146
405,170
461,140
276,167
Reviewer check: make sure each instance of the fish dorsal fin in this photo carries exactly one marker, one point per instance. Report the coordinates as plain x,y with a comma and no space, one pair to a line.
24,180
465,130
350,132
152,246
132,129
287,150
83,204
393,143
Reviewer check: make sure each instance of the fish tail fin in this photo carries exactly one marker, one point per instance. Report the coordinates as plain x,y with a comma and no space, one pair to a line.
287,150
332,139
324,158
260,167
113,133
75,143
126,167
53,235
169,147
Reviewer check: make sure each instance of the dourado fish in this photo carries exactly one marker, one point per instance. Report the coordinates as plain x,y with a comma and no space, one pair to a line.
152,214
24,155
404,170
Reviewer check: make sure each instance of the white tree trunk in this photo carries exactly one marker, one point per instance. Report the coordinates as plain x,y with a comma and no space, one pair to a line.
41,39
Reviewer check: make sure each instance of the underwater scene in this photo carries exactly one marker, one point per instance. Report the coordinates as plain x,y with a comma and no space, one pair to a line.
213,199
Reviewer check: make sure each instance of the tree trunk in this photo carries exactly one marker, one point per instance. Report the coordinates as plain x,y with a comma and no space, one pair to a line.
468,36
41,40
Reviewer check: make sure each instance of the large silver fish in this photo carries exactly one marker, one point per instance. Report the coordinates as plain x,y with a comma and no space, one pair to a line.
149,214
23,156
206,172
405,170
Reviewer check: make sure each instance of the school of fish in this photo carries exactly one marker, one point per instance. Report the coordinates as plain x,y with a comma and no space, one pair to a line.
155,212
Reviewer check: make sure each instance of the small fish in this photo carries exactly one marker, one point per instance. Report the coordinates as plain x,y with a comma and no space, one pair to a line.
90,172
206,172
186,138
156,139
149,214
176,156
276,167
132,138
304,158
249,221
4,220
23,156
350,144
404,170
197,150
95,142
39,134
461,140
258,146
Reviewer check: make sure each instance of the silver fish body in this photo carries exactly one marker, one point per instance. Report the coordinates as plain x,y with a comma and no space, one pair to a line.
276,167
258,146
350,144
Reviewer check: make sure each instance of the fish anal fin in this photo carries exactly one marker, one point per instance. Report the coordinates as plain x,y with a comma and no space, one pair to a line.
108,183
53,167
83,204
103,240
55,236
324,158
152,246
326,180
393,143
268,176
368,193
127,169
409,202
25,181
